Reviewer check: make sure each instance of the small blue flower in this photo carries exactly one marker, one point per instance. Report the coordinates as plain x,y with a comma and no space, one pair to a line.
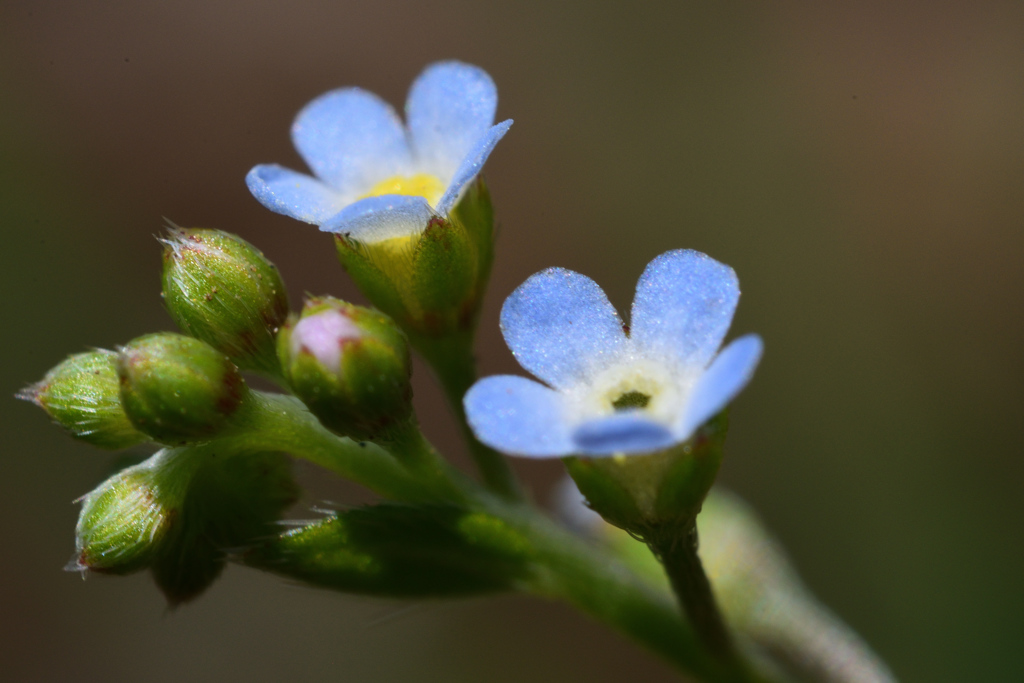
612,389
375,178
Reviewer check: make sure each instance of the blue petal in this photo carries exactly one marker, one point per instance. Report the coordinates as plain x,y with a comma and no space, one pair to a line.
352,140
450,107
472,165
379,218
622,433
684,304
561,327
518,416
720,383
571,507
293,194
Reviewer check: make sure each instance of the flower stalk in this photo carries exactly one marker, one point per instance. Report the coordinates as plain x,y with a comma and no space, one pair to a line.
678,554
452,361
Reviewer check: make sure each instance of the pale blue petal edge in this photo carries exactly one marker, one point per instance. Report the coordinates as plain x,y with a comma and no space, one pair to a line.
472,165
570,505
683,307
518,416
450,107
352,140
720,383
379,218
627,432
561,327
293,194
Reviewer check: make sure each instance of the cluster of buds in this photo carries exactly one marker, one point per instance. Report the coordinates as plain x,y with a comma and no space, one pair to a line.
161,387
177,513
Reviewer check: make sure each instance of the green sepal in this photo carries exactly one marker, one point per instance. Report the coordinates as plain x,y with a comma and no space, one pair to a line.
224,291
445,278
376,285
655,495
82,395
432,283
692,473
475,213
604,493
350,365
401,551
177,389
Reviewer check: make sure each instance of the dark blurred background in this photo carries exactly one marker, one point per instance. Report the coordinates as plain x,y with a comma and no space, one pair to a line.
861,165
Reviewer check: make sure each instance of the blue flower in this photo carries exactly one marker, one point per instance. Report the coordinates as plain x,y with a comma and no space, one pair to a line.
375,178
613,389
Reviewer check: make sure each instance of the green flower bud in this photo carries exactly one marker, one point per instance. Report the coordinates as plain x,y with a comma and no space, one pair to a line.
431,283
176,388
123,523
82,395
350,365
221,289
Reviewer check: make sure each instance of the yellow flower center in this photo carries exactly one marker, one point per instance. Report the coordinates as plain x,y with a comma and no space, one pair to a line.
423,185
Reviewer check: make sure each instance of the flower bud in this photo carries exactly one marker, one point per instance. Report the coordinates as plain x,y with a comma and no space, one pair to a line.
123,523
221,289
177,388
431,283
82,396
350,365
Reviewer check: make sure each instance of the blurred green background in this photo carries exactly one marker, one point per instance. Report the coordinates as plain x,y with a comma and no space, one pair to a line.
861,165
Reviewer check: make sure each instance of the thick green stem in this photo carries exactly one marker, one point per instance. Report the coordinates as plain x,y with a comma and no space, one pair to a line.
452,361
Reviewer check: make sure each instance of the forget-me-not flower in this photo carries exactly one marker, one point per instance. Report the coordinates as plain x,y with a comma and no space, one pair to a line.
613,389
375,178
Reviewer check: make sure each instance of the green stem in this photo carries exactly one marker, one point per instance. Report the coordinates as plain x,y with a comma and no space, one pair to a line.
405,467
565,567
678,554
406,443
452,361
280,422
588,577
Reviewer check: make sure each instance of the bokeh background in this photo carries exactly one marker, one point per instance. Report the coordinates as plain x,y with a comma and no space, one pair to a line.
860,164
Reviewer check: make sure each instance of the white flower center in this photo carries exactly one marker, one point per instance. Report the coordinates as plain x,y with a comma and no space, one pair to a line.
656,389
